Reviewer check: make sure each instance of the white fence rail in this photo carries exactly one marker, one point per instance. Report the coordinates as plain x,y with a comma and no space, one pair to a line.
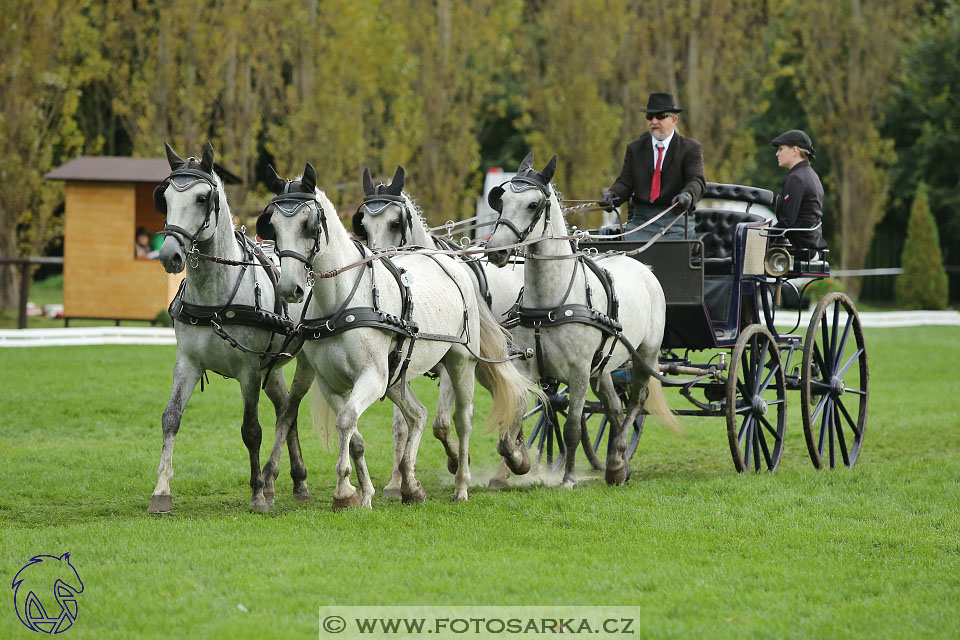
80,336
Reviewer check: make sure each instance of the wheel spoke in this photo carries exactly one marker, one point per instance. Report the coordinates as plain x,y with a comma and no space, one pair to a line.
833,337
828,417
818,360
825,333
858,392
743,428
770,428
843,338
755,437
823,424
816,412
820,385
758,366
766,450
766,382
849,362
850,421
600,430
748,440
742,388
840,439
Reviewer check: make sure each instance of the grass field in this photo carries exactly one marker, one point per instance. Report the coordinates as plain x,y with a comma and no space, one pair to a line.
697,550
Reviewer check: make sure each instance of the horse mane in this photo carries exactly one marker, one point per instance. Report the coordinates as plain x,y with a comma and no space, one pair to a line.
415,207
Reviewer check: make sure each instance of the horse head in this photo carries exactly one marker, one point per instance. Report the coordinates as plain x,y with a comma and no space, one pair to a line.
295,220
523,205
190,200
385,219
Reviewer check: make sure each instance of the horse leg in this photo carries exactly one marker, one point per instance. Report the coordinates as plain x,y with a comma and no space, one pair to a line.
441,421
463,379
251,433
287,410
500,476
572,427
618,466
276,390
415,413
366,390
185,377
298,470
400,431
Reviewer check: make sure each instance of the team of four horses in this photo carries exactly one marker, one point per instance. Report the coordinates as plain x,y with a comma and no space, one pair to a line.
362,321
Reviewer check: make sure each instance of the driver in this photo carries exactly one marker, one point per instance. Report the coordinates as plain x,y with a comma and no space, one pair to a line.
660,168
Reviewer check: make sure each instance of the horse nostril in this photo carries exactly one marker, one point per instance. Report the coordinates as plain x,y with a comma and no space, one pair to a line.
298,293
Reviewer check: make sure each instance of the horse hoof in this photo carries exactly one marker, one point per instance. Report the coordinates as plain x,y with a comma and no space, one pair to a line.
260,505
497,484
459,497
518,467
417,496
568,484
452,464
616,477
391,492
302,495
346,503
161,504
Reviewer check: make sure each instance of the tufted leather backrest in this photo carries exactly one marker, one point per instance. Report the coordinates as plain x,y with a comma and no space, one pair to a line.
717,229
738,192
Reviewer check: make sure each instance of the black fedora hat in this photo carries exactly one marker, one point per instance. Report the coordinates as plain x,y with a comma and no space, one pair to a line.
660,102
795,138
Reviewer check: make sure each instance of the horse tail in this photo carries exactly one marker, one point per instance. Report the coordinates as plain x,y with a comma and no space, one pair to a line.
322,414
656,405
508,385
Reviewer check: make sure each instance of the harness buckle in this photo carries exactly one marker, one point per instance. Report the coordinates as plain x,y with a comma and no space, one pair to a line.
193,257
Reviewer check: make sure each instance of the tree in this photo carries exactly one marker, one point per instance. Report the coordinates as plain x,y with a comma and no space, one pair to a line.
923,283
49,51
844,59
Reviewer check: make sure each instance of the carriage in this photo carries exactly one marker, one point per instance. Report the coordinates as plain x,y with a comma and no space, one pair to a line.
723,349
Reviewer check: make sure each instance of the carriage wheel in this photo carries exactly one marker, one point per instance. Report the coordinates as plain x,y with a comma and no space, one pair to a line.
755,384
547,433
831,373
593,416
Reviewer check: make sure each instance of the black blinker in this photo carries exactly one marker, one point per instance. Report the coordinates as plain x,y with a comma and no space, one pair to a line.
264,227
495,199
159,201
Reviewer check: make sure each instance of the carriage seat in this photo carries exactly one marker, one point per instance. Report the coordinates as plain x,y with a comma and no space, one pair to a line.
740,193
717,229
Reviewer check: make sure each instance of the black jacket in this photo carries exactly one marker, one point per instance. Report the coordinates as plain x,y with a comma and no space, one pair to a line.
800,205
682,170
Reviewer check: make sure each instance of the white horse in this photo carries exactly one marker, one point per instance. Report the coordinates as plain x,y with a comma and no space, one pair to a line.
383,223
566,302
218,304
359,323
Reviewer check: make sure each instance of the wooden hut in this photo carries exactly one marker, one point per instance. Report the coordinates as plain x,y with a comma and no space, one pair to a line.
107,200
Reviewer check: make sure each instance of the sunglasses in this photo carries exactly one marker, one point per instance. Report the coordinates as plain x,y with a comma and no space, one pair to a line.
659,116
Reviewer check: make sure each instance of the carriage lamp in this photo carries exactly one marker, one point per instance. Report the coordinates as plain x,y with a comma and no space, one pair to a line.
777,262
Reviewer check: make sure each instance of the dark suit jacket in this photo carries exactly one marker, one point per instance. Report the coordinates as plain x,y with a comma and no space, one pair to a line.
682,170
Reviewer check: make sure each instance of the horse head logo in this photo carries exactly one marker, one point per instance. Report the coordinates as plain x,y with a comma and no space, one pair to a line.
37,578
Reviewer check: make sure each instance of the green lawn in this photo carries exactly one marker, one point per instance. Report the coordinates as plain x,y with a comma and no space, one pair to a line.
697,550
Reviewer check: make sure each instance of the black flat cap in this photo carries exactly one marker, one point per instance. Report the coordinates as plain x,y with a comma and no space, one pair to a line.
795,138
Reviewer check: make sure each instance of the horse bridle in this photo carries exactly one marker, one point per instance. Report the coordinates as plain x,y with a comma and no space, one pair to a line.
375,204
289,204
181,180
520,184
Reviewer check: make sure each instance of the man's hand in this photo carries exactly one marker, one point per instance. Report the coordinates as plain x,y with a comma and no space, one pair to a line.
683,200
606,200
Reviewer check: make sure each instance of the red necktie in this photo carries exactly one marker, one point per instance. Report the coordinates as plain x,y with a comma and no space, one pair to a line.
655,185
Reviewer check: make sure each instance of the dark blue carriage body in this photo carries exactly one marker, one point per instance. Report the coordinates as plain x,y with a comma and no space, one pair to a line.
715,283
